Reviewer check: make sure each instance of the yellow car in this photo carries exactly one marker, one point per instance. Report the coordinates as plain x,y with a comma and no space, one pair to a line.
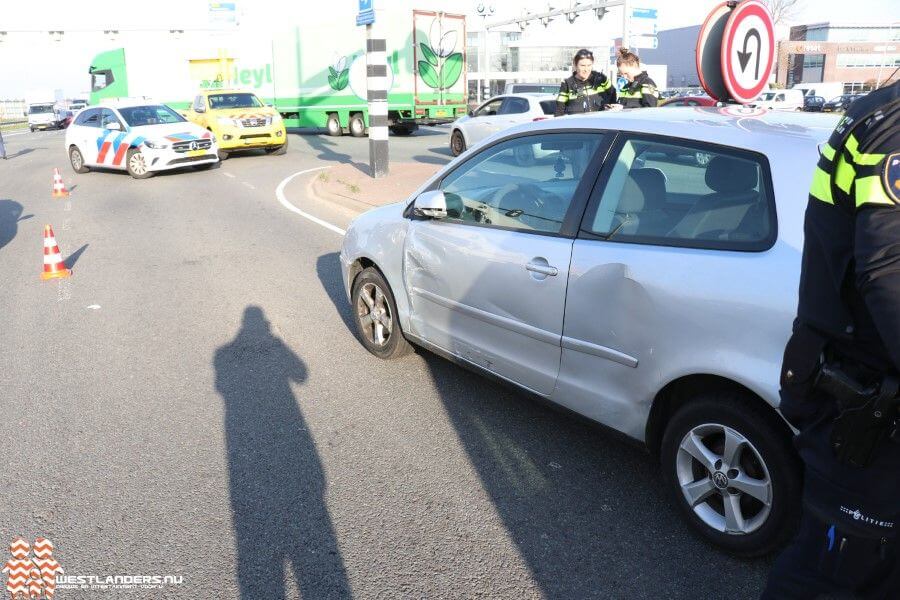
239,120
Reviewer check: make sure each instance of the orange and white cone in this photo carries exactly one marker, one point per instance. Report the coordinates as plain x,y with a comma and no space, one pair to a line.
59,188
54,267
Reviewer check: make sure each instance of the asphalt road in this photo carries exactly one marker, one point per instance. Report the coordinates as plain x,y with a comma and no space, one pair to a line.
192,402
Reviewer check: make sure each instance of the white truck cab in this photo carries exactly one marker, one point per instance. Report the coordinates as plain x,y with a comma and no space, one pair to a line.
791,99
42,115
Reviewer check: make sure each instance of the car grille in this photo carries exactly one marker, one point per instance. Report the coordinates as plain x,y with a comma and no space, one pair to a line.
190,159
255,122
186,146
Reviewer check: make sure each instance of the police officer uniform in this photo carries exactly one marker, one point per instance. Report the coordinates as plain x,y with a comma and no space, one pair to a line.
581,96
848,322
639,93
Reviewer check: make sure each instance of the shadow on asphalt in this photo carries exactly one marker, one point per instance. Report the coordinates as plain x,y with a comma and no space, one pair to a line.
23,152
431,160
10,215
73,258
586,510
325,148
276,481
328,268
442,150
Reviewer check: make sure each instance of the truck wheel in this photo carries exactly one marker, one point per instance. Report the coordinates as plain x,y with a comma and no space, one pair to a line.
733,473
457,143
136,164
334,126
279,150
77,160
32,129
357,126
222,154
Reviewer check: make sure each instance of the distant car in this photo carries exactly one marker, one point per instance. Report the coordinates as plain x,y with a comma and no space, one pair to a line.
42,115
139,137
791,99
497,114
531,88
689,101
840,103
649,294
64,117
813,103
241,121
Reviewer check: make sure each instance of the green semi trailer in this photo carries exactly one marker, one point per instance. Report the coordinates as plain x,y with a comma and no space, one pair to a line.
313,73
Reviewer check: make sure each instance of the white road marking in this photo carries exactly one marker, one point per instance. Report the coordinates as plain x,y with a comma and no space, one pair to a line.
279,193
248,185
227,174
94,307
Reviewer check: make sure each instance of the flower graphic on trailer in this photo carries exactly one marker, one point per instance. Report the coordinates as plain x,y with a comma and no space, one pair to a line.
339,74
442,66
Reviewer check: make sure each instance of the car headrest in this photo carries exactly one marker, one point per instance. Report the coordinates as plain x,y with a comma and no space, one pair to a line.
632,198
652,183
728,175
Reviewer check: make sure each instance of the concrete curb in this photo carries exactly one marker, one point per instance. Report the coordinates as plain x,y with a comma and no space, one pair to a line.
317,191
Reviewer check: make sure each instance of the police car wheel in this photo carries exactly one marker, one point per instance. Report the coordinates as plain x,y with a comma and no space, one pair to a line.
77,160
733,473
357,126
333,125
375,316
136,164
457,143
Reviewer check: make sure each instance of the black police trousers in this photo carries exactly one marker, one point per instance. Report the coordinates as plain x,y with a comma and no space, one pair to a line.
823,559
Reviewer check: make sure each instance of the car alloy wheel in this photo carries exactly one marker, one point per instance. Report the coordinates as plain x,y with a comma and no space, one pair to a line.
457,143
724,479
374,314
77,160
138,164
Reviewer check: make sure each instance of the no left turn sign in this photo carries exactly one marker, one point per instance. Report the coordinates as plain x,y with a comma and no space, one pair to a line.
748,50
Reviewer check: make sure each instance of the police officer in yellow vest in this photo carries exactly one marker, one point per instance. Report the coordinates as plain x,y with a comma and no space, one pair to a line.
641,91
586,90
841,370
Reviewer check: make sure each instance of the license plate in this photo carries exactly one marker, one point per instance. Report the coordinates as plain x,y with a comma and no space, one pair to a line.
440,113
196,152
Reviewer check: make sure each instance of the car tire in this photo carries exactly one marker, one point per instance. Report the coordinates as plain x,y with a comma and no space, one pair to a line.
76,159
457,143
136,165
375,310
278,150
764,461
32,129
333,125
357,126
222,154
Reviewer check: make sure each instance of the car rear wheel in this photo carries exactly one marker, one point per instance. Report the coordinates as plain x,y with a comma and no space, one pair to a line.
375,315
333,125
357,126
136,163
457,143
77,160
733,473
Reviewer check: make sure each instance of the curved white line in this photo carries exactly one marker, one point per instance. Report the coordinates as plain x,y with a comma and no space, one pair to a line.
279,193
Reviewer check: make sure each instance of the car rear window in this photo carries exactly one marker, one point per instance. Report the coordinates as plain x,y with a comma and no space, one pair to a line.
548,106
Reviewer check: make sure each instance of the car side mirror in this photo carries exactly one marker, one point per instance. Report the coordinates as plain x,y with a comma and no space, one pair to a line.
432,204
113,127
471,113
199,109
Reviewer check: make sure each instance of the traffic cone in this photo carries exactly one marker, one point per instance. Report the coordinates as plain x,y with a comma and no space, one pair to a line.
54,267
59,188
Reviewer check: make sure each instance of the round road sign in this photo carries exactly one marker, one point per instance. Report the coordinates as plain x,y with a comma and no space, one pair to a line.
748,50
709,53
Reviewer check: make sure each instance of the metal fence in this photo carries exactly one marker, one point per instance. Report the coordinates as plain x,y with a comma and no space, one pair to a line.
12,110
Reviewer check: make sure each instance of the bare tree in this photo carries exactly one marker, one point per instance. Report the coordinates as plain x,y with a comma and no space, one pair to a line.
783,10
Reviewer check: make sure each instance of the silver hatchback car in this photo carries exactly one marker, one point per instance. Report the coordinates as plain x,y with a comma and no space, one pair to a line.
623,279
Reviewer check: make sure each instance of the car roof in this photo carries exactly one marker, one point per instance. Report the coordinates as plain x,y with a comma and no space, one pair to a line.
770,131
225,91
127,102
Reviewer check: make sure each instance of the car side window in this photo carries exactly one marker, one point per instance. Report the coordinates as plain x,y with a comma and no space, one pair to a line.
489,109
107,116
681,193
89,118
514,106
525,183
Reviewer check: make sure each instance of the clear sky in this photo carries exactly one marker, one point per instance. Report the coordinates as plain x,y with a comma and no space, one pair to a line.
32,63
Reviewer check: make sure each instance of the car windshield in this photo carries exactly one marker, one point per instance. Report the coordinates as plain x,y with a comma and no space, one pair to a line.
40,109
767,96
139,116
234,101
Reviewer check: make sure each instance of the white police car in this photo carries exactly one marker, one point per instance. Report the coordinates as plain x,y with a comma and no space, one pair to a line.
137,136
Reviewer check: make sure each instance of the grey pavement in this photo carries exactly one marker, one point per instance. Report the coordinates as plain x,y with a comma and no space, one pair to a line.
193,402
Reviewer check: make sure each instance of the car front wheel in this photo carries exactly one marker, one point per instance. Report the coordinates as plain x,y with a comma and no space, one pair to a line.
733,473
457,143
136,163
375,315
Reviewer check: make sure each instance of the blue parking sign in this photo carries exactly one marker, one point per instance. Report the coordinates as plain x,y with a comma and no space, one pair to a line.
365,5
366,14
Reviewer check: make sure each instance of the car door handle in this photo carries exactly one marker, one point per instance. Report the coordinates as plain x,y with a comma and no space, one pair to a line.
542,269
